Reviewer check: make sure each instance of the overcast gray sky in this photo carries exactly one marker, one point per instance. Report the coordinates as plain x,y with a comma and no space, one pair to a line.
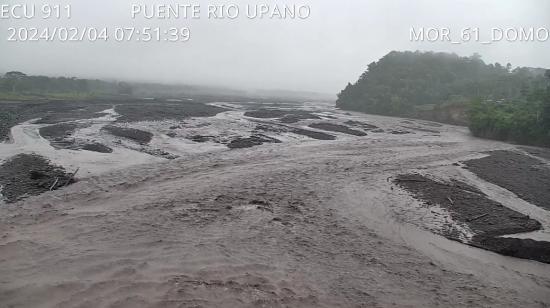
322,53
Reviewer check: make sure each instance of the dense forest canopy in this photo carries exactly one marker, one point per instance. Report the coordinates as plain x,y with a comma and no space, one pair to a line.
496,101
400,81
525,120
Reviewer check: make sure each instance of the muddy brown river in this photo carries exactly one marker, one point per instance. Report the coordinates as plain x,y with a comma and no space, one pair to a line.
296,223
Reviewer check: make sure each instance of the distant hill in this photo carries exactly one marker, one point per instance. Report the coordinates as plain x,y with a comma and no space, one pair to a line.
437,86
18,85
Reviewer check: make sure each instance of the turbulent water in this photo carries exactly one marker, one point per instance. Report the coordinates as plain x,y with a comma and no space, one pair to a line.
302,223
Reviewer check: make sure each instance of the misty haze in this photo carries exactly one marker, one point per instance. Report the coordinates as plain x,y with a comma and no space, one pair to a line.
288,154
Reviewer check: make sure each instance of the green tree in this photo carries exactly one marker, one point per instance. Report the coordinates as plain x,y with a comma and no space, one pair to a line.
12,79
401,83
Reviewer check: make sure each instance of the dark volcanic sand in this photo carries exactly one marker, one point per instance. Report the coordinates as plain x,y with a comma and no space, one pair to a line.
285,116
60,135
521,174
251,141
202,139
513,247
48,112
58,131
313,134
9,116
97,147
295,118
271,128
487,218
399,132
360,124
298,131
56,112
158,111
337,128
139,136
159,153
29,174
53,112
539,152
236,142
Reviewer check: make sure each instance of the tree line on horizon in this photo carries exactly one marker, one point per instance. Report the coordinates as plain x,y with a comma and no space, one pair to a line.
16,82
496,101
18,85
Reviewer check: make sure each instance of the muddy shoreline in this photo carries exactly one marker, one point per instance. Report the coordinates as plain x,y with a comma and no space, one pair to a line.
131,110
527,177
287,116
31,175
337,128
135,135
487,219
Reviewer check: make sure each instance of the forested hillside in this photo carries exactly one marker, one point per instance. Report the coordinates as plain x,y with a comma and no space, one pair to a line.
495,100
